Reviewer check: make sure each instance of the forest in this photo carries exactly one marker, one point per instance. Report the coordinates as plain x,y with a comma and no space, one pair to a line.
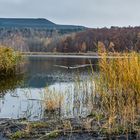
71,40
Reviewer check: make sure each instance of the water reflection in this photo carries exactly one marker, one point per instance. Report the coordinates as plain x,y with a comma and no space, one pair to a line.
10,83
22,103
27,97
71,100
42,71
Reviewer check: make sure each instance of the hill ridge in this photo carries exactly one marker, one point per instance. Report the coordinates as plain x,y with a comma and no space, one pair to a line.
33,23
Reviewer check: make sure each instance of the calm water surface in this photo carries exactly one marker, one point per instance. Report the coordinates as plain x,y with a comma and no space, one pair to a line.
45,79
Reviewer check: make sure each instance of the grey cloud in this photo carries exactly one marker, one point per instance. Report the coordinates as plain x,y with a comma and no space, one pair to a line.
93,13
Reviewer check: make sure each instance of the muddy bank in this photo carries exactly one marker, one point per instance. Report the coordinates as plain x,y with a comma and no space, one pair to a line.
73,129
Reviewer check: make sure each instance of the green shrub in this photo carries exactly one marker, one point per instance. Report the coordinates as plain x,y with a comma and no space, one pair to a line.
8,60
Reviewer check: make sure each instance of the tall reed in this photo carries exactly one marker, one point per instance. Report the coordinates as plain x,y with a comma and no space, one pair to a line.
118,92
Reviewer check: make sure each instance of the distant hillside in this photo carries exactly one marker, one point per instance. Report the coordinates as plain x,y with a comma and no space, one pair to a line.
33,23
23,22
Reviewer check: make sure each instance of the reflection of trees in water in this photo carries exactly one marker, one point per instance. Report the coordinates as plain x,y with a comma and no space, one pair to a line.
47,65
13,78
42,72
10,83
39,81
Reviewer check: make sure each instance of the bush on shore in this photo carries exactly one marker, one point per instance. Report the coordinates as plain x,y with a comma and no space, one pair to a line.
8,60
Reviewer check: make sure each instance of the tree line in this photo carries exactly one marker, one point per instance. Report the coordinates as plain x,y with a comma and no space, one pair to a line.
45,40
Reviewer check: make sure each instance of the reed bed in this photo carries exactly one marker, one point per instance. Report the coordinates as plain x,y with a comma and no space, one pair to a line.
117,94
113,95
53,100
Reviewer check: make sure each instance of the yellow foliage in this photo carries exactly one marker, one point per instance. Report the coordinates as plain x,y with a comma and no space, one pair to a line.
8,58
118,90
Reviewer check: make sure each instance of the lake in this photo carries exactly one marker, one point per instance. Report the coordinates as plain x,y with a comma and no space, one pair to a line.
44,80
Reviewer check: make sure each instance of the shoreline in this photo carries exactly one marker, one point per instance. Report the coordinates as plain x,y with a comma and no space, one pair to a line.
69,55
19,129
59,53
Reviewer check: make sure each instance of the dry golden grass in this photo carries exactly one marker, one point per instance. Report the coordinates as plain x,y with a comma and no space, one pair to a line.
53,100
118,92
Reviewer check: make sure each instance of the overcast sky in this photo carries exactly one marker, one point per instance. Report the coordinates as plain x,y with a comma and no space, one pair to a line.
90,13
